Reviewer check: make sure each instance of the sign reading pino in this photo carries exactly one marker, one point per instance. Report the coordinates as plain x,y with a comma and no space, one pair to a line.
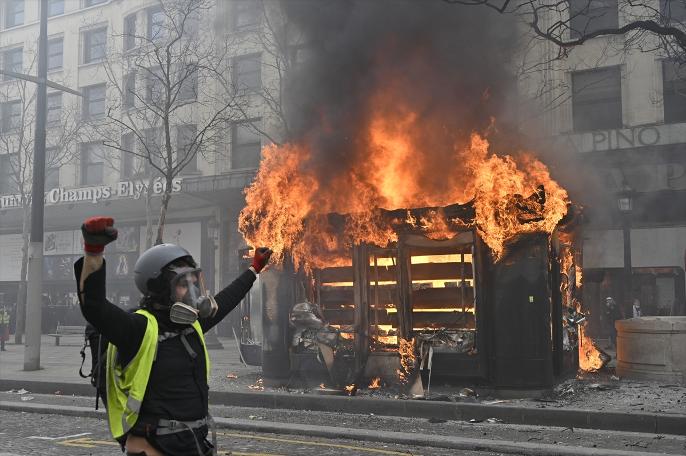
95,194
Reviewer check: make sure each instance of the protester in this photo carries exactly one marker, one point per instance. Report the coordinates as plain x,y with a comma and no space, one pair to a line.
157,361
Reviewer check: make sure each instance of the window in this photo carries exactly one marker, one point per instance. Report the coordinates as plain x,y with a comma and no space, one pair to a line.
14,13
87,3
92,163
245,146
246,14
12,61
131,164
189,87
8,183
129,32
55,7
597,99
156,25
54,108
55,48
155,88
94,101
52,168
94,44
129,96
674,91
673,10
247,74
185,138
586,16
153,149
11,115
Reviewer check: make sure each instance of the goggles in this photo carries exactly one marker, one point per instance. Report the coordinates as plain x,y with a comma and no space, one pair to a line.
189,296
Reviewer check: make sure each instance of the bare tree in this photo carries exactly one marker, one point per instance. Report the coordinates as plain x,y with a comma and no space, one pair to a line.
277,47
170,98
18,106
658,25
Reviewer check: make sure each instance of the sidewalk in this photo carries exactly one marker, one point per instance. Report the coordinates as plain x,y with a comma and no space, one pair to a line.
594,401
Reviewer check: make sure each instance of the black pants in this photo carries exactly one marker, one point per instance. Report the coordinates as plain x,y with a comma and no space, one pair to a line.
177,444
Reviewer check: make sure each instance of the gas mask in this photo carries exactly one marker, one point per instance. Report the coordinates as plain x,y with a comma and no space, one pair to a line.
189,297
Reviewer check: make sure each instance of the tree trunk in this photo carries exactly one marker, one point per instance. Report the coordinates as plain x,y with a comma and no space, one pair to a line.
166,196
20,318
148,215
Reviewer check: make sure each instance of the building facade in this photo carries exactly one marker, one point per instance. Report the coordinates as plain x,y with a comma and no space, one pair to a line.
94,169
615,116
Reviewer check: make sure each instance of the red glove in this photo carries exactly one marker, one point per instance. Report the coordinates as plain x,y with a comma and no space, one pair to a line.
261,258
97,233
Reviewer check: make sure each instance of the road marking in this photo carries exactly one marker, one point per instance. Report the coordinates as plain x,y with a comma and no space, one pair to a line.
86,443
58,438
304,442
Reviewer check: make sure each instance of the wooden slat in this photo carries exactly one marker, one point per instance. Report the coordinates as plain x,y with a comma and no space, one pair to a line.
431,298
338,274
435,271
423,251
336,296
347,317
385,274
443,320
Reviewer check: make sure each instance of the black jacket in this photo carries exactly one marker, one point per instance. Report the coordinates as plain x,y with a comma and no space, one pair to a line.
177,388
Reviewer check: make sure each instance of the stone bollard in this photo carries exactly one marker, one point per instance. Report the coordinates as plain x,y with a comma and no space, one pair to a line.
652,348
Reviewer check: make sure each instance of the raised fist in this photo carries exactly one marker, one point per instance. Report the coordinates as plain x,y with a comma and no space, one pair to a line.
97,233
261,258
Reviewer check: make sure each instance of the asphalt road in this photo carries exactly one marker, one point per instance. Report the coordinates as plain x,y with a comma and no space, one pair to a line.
23,434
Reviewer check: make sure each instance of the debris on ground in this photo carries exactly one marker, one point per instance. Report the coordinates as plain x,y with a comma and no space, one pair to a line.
17,391
468,392
433,420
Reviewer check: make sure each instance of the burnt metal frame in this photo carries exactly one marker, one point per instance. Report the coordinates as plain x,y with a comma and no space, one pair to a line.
472,366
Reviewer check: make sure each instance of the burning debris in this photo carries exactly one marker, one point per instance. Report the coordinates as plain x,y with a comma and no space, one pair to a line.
421,244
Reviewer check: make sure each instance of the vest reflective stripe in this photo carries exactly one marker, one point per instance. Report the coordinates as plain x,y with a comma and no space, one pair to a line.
198,329
126,385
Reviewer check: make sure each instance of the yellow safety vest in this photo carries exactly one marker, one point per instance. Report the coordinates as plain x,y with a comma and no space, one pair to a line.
126,385
4,318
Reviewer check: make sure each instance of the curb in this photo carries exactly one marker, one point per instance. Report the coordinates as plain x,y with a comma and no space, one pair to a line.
653,423
331,432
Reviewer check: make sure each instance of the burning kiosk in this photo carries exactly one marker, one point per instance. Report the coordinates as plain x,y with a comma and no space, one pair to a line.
423,291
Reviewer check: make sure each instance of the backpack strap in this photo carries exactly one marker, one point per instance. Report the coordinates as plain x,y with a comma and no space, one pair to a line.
83,359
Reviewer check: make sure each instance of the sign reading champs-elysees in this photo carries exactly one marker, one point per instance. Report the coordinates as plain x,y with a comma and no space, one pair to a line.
122,190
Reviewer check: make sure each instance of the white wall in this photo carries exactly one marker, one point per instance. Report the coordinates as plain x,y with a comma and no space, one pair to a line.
654,247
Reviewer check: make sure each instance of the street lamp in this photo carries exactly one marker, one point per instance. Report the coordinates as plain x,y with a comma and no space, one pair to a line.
34,300
625,203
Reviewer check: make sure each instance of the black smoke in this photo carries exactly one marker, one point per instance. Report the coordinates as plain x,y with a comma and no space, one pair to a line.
451,63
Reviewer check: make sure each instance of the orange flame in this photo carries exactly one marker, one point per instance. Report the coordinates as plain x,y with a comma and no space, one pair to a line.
288,206
590,358
407,358
350,389
375,383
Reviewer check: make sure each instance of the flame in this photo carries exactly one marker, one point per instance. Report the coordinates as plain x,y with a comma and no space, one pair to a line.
350,389
407,358
400,160
375,383
321,386
259,385
590,358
